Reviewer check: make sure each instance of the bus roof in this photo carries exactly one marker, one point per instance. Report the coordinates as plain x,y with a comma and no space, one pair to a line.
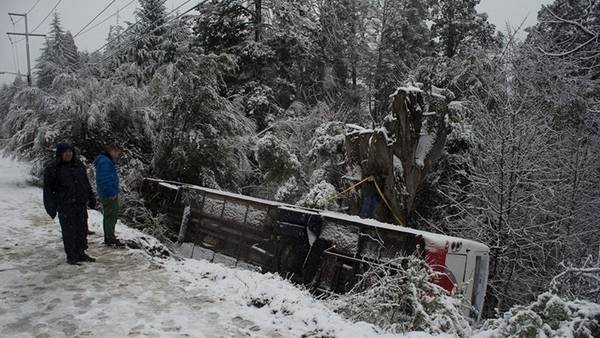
430,237
433,239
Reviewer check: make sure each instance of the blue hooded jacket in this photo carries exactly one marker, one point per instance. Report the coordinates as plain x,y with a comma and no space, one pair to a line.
107,180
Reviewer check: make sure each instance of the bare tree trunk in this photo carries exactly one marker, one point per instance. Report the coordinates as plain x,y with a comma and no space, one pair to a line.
257,20
418,141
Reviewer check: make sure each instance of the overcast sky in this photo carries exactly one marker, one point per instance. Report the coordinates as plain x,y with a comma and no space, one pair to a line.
75,14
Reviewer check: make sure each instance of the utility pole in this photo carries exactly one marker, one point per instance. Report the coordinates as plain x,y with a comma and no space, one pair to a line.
27,35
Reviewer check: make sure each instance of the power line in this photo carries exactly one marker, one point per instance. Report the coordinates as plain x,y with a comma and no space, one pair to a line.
137,22
27,35
155,29
108,17
29,11
46,17
15,55
96,17
131,27
15,52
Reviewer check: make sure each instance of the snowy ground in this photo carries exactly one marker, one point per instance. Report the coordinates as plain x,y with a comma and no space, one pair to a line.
128,293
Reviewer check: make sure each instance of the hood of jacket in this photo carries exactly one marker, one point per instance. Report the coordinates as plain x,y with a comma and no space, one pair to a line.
61,148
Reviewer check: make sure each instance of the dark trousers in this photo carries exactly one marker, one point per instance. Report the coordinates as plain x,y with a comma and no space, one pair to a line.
110,211
73,224
369,201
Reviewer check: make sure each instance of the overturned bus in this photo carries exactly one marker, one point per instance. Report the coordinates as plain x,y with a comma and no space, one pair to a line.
324,250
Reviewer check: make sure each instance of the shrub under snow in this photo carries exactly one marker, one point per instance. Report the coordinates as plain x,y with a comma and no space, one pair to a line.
549,316
319,196
275,159
288,191
399,297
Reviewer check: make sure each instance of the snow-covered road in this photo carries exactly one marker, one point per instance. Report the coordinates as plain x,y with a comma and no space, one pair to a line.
128,293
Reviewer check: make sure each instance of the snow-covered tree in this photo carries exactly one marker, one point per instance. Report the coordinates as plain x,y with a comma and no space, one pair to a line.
275,159
56,56
71,54
148,35
222,25
403,40
569,29
200,130
457,25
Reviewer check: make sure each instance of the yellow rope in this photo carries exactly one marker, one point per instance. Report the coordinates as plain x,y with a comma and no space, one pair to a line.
398,219
369,179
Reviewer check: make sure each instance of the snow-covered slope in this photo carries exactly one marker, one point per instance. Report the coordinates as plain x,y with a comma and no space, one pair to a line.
130,293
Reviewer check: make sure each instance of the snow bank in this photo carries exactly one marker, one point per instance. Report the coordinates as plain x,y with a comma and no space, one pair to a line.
267,299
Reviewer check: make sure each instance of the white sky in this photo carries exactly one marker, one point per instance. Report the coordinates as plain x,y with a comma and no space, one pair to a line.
77,13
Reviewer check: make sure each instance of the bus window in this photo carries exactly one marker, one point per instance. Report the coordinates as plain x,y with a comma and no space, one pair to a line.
479,286
456,264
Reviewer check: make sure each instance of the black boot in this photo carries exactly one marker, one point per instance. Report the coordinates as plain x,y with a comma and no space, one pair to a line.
115,243
71,261
85,258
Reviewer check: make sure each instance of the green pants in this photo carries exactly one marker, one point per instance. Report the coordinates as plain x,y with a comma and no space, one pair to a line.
110,210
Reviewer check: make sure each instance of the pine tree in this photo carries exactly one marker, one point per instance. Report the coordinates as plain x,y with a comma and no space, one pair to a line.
53,59
149,36
338,21
198,126
59,44
404,39
457,23
115,41
71,54
293,39
177,35
222,25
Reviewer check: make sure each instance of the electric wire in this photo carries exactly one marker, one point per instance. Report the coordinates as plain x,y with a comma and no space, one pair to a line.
29,11
41,22
95,17
154,30
47,15
14,55
108,17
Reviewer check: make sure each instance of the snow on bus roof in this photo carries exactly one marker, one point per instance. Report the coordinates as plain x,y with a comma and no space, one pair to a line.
178,185
168,185
431,237
296,208
233,195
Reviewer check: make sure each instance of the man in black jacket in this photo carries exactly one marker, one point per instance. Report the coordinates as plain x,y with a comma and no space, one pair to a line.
67,191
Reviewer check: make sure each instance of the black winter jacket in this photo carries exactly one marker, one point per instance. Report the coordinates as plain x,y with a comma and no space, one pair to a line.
66,186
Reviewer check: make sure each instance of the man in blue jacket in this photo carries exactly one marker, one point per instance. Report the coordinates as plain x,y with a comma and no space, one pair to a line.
107,188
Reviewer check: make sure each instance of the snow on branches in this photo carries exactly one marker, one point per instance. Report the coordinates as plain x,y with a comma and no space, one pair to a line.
399,297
